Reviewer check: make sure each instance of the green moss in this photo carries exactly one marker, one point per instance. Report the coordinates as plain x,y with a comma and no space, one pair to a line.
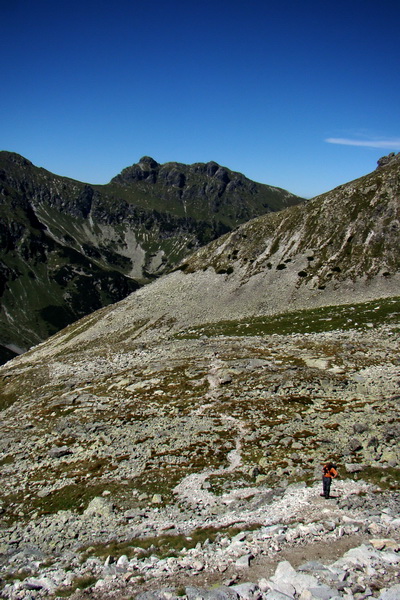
7,399
17,576
328,318
81,583
162,546
274,247
222,484
7,460
388,478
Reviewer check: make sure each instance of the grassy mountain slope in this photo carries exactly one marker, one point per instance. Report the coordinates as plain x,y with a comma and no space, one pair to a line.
68,248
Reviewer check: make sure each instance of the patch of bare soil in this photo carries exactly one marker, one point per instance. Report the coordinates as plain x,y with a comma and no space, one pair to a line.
323,552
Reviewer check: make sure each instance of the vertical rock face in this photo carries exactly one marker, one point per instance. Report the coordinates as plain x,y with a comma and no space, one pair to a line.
69,248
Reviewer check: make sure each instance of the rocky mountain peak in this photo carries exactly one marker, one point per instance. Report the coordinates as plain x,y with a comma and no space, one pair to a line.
148,162
389,158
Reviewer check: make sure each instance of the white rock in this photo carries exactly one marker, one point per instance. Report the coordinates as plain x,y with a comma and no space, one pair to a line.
284,588
198,565
244,561
392,593
264,585
123,561
363,555
99,506
286,574
246,591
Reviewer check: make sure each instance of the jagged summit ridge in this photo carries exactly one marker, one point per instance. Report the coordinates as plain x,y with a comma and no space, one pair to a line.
202,186
148,168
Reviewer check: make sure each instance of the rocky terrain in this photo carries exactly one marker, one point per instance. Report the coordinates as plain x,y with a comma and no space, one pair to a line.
69,248
171,444
136,454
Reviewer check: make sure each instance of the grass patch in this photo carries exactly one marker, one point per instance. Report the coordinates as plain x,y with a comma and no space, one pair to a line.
7,460
388,479
317,320
20,575
222,484
81,583
162,546
159,481
77,496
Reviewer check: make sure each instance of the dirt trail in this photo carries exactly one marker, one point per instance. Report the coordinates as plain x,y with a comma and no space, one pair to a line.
191,488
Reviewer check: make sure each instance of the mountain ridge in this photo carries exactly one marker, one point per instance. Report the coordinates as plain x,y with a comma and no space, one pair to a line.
263,267
69,248
247,273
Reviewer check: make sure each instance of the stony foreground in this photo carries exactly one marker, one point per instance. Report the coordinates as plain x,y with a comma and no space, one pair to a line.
295,523
197,463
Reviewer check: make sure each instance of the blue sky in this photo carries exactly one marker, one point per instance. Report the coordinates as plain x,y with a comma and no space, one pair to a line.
297,94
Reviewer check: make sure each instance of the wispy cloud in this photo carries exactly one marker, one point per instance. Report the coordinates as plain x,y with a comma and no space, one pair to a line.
393,144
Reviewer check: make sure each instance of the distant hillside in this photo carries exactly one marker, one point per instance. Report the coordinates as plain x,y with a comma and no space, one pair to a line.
341,247
69,248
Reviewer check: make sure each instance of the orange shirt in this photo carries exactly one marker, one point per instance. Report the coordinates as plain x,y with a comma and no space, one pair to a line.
330,472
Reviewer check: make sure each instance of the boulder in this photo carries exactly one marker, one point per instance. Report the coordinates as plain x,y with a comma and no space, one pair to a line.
244,561
362,555
323,592
285,573
59,451
157,499
100,507
354,467
392,593
384,543
389,457
220,593
360,427
39,583
247,591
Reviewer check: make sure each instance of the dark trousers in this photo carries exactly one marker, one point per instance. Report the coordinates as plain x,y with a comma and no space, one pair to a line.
326,484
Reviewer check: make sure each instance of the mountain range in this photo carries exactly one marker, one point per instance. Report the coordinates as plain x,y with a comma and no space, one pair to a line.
180,432
69,248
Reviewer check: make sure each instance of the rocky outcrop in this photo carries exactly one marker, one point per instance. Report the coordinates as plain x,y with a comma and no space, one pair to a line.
342,240
385,160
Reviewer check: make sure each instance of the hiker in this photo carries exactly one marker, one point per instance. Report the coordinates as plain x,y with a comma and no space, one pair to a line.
329,473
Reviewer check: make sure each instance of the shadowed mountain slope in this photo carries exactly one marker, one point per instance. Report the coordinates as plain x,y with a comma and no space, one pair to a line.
69,248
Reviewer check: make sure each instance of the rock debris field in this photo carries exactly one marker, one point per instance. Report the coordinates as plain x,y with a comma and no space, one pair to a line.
192,468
